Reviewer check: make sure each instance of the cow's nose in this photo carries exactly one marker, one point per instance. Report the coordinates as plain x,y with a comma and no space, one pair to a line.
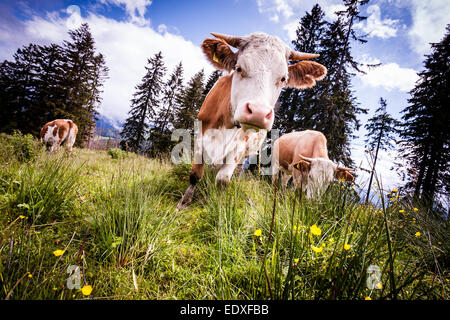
258,115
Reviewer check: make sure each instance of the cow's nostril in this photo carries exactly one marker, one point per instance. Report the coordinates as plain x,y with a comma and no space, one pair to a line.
249,110
269,115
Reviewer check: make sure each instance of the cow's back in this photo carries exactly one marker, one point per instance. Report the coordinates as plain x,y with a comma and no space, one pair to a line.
308,143
59,127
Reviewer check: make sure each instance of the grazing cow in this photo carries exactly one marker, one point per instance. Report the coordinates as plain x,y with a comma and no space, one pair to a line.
55,132
239,109
304,155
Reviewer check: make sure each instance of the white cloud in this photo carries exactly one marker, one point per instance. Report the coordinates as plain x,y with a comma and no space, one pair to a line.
276,8
429,21
330,11
126,47
389,76
374,26
291,29
289,11
135,9
275,18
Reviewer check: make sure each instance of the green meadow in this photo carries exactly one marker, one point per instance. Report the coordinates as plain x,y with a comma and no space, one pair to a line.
113,216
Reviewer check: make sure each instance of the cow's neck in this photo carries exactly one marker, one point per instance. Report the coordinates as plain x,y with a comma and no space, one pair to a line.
215,112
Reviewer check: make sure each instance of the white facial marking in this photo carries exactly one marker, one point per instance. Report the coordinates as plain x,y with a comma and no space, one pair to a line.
262,63
320,175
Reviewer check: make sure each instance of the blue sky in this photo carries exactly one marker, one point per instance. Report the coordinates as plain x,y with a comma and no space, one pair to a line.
130,31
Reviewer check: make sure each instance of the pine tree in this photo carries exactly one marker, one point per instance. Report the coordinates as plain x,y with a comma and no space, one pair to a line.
160,134
50,90
295,105
337,108
144,105
212,79
426,122
381,131
189,102
85,74
330,106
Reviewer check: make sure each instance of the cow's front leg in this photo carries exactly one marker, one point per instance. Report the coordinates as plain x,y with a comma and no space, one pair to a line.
285,177
223,177
238,171
195,176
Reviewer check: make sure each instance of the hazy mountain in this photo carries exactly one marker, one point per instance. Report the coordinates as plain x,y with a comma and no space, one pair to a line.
106,127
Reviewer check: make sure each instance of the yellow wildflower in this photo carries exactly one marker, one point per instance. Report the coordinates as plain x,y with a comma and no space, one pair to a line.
316,249
86,290
417,234
415,209
296,260
347,246
257,233
315,230
394,190
58,252
30,275
368,298
379,285
401,211
22,217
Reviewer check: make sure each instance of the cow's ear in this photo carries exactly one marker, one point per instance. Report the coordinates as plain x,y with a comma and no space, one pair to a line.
219,54
302,166
343,174
304,74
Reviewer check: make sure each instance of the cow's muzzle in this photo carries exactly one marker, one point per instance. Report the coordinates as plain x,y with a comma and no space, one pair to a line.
257,116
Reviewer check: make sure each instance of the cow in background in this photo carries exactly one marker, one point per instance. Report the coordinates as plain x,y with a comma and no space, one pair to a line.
239,109
56,132
304,155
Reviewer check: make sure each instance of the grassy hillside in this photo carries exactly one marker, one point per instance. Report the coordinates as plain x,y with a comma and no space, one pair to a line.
113,215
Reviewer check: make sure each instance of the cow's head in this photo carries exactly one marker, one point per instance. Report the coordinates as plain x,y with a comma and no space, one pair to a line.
317,173
260,70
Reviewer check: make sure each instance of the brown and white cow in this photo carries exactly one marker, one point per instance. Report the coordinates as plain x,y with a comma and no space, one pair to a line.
56,132
304,156
239,109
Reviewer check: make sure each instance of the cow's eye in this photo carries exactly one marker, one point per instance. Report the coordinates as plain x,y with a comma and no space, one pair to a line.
239,69
283,79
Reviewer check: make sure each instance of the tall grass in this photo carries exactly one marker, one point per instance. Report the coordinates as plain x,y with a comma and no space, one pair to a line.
115,218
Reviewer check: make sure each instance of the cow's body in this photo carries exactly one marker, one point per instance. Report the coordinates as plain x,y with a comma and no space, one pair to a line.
57,131
304,156
223,144
239,109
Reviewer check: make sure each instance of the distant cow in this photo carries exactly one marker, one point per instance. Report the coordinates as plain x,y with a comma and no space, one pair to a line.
304,155
56,132
244,99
